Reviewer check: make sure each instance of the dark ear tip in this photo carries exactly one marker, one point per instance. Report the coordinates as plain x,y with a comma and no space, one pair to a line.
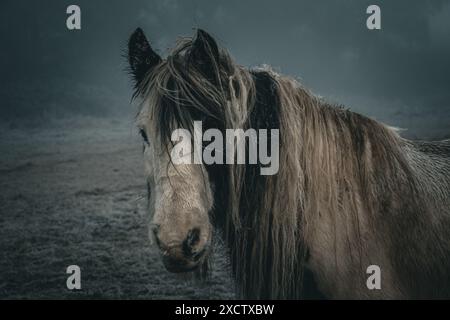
202,34
204,38
137,34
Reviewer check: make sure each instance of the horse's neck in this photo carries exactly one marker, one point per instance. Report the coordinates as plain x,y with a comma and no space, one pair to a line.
395,189
431,163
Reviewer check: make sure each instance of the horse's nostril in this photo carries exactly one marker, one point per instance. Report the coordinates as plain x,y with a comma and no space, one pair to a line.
192,239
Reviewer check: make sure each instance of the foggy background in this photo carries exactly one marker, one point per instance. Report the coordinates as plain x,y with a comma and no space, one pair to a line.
399,75
72,186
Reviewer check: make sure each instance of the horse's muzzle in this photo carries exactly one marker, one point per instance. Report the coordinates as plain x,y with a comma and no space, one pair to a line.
184,257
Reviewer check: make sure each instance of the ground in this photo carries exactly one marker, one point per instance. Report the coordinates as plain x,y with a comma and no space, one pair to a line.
74,193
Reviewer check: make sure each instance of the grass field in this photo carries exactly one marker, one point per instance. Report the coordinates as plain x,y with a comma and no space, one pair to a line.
75,194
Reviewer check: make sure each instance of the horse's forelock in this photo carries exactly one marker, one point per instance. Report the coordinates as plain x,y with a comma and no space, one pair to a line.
178,93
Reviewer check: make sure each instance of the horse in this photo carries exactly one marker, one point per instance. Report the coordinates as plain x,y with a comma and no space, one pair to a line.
350,192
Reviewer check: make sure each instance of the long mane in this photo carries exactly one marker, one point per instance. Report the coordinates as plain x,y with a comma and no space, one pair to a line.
336,166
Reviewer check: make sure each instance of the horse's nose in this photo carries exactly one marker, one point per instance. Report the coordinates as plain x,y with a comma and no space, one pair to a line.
190,249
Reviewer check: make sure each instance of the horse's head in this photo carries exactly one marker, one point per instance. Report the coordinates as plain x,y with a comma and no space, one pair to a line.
192,83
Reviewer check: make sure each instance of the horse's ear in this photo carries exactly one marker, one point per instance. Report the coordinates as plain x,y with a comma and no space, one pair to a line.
141,56
204,52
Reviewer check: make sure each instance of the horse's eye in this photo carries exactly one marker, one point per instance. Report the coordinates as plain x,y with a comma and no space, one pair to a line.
144,135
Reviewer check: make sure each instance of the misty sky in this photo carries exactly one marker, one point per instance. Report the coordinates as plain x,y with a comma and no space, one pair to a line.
400,74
